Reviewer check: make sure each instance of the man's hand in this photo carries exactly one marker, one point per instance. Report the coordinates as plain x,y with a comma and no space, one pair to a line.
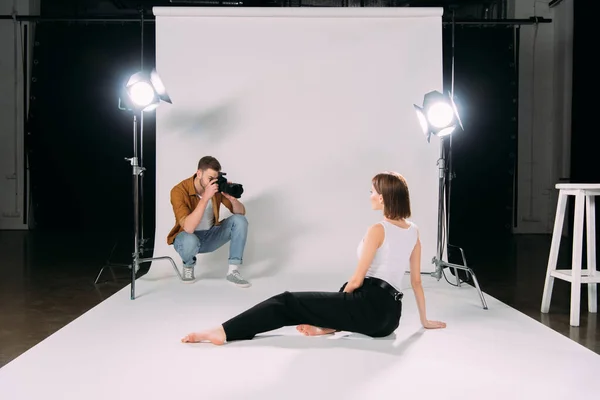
238,207
229,197
210,190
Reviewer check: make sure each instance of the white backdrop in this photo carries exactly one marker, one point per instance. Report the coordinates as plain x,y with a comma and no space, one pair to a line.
302,106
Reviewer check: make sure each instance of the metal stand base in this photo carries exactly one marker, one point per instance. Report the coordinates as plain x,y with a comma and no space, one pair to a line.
110,266
138,261
439,270
134,270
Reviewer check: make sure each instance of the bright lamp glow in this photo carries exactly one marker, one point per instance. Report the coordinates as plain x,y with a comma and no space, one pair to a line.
143,92
438,116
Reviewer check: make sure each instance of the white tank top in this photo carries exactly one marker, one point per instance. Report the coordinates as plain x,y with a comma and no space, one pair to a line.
392,259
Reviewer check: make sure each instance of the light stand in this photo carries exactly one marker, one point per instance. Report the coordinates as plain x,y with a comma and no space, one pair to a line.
137,175
439,117
142,240
142,93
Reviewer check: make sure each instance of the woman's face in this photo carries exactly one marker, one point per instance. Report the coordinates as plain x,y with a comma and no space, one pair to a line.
376,199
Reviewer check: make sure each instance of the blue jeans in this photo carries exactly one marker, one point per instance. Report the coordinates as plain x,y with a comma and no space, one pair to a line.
234,228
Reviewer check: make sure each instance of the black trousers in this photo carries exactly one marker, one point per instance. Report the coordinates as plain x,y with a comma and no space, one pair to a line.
369,310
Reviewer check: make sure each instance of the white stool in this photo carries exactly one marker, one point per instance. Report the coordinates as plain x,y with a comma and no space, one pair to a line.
575,275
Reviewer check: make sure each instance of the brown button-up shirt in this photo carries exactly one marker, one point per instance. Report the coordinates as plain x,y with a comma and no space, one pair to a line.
184,200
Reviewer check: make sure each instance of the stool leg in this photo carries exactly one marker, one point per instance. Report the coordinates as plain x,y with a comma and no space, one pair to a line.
591,251
554,248
576,259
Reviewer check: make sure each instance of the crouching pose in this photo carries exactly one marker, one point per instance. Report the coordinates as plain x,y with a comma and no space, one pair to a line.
370,302
198,229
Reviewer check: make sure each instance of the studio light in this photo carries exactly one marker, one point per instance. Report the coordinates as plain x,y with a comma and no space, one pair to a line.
438,116
143,92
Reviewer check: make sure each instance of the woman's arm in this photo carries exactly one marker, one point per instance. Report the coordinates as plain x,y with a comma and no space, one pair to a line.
415,280
373,240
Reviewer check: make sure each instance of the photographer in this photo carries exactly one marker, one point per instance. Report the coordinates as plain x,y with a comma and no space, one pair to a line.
196,204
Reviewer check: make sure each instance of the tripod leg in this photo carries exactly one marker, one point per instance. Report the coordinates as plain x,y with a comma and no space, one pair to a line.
143,260
457,277
485,307
470,271
464,263
98,277
109,264
133,281
112,272
464,259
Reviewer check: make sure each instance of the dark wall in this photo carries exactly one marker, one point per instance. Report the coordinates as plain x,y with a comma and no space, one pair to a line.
483,156
78,137
585,139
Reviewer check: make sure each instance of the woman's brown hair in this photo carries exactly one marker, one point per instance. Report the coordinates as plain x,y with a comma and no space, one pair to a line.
396,199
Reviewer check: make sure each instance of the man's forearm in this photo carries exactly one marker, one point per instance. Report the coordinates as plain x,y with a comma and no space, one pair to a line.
192,220
238,207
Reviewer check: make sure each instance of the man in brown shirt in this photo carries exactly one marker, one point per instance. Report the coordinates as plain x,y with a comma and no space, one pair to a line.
196,204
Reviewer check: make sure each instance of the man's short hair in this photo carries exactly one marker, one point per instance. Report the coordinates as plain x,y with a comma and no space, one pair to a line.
207,162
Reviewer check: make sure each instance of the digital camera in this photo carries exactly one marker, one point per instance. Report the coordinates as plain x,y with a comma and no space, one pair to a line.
232,189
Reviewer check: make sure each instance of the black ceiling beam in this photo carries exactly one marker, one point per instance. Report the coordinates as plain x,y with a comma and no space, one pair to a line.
150,19
527,21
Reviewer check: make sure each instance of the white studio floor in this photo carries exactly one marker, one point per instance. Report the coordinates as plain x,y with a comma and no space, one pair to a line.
124,349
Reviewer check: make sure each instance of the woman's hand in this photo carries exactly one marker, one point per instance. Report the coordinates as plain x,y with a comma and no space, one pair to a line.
350,287
433,324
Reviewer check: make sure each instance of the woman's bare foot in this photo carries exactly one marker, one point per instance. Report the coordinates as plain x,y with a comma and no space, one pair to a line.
309,330
215,336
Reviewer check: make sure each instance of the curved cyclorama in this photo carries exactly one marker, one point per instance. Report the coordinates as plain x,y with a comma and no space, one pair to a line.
301,106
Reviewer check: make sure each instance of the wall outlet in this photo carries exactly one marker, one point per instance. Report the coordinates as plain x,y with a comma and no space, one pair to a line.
11,214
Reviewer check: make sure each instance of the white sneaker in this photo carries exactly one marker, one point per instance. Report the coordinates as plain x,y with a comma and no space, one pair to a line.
188,274
236,279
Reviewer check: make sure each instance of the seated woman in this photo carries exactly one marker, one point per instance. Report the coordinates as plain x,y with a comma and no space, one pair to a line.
370,302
